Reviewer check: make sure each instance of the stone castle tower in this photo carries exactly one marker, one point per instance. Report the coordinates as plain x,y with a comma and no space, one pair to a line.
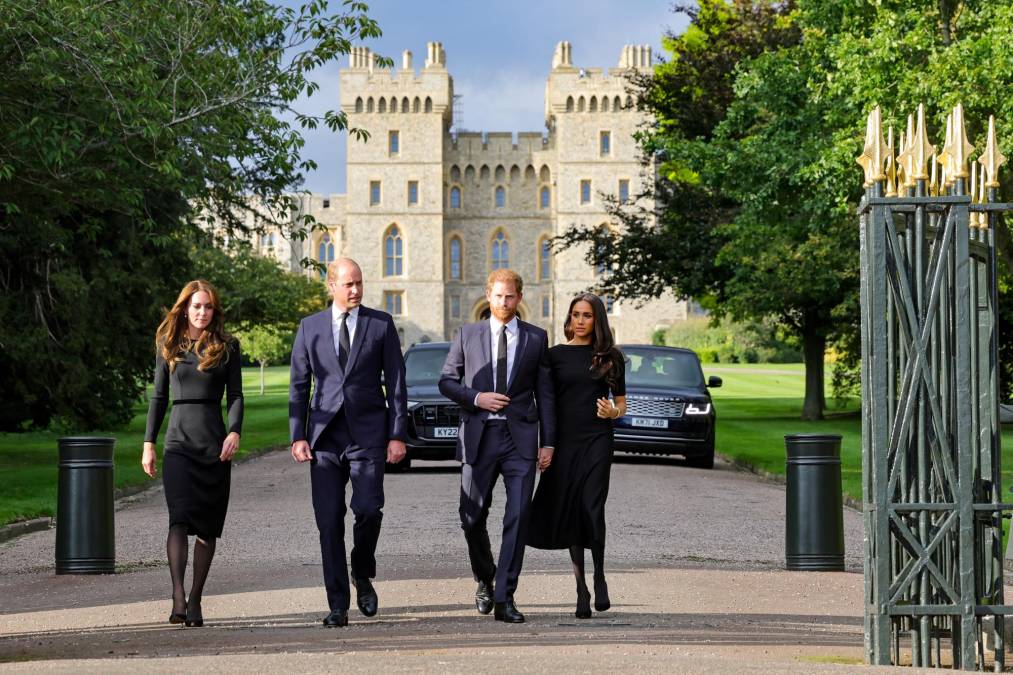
430,211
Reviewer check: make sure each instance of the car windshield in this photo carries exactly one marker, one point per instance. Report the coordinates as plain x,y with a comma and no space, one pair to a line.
423,366
648,367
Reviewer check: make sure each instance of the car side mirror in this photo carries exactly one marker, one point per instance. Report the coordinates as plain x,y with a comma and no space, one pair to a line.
713,382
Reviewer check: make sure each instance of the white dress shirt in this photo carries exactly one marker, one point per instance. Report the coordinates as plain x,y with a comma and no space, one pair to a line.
513,333
336,313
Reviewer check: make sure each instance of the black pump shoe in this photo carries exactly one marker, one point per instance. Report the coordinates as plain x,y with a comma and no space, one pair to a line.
583,604
601,595
178,617
194,617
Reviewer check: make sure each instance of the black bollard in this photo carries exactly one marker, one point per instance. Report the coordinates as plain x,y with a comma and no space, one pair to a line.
85,532
814,531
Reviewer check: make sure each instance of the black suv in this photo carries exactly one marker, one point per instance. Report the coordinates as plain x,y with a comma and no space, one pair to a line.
668,406
433,420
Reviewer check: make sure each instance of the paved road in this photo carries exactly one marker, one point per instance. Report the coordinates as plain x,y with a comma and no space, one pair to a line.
694,557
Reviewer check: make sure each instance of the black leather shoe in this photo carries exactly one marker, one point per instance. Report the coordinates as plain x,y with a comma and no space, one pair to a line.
336,619
365,597
483,597
507,611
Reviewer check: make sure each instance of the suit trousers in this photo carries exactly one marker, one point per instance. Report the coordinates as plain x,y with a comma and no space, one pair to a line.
336,461
497,454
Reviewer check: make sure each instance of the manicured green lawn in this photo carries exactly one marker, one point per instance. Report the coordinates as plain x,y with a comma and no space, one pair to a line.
28,462
759,404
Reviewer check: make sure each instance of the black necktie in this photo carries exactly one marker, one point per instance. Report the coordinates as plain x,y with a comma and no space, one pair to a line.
344,343
501,363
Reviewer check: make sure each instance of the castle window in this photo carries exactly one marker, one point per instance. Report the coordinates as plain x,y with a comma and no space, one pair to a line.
327,203
393,253
358,104
369,104
500,251
456,271
580,104
393,302
546,307
405,106
413,192
593,105
545,197
393,104
624,190
325,252
500,197
417,105
629,103
585,192
544,258
394,143
429,104
616,104
605,143
455,306
610,304
374,192
455,197
569,104
381,105
604,103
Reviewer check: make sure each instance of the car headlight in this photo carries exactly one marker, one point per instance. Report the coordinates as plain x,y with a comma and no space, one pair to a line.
698,408
414,404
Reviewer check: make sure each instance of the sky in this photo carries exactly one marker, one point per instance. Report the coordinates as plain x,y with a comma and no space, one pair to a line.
498,54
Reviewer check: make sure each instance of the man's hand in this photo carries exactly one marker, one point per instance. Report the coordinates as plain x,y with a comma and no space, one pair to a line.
301,451
491,401
395,451
544,458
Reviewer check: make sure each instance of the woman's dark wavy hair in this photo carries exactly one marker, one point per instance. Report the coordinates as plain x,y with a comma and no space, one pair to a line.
606,361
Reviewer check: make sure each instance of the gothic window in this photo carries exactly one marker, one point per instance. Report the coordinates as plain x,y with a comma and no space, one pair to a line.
455,197
393,252
456,259
545,197
405,105
593,105
417,105
429,104
369,104
569,104
500,196
604,103
358,104
500,253
393,142
374,192
381,106
585,192
624,190
325,252
605,143
413,192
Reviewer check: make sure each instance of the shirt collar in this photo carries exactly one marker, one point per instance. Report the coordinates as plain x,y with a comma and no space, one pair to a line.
511,326
353,313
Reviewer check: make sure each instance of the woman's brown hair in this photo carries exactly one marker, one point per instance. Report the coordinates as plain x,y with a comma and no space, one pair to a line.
172,340
606,359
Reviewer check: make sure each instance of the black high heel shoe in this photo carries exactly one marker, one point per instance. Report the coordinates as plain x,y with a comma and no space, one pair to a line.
178,617
194,618
583,603
601,595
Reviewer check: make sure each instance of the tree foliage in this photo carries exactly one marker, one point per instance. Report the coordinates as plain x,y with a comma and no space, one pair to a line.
265,345
124,126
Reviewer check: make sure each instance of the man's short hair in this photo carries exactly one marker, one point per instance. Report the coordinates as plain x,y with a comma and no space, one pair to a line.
507,277
332,267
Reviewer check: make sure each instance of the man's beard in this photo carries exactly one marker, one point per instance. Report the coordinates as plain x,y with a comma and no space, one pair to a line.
502,314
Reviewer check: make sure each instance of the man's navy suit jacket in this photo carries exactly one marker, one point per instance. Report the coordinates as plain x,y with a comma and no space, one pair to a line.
373,417
468,371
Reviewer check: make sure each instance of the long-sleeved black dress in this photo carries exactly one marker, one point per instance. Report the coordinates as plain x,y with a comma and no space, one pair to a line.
196,480
569,505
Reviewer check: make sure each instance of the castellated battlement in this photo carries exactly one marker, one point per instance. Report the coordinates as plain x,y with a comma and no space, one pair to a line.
472,145
366,88
571,89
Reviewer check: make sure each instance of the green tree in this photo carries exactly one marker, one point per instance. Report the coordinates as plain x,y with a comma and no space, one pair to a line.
265,346
123,128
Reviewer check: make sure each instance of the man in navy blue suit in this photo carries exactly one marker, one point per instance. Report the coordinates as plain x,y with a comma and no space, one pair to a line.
349,428
498,372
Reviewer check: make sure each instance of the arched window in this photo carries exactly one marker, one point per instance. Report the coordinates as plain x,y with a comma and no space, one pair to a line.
616,104
545,197
393,104
456,264
455,197
500,253
544,258
325,252
500,196
381,106
369,104
405,105
629,103
429,104
569,104
358,104
417,105
544,175
580,104
593,105
393,253
604,103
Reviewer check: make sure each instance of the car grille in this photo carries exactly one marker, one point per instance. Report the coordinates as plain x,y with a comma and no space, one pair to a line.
437,415
643,406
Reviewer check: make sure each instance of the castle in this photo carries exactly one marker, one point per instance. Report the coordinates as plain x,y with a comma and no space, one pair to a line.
430,211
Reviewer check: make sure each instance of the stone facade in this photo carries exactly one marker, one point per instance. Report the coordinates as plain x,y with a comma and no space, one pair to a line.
430,211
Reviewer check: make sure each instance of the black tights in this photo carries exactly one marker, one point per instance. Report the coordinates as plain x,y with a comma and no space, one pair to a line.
597,557
176,547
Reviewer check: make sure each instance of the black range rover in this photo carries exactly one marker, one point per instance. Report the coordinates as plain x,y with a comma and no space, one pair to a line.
433,420
668,406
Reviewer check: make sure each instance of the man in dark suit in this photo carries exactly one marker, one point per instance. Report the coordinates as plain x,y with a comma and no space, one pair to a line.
348,429
498,372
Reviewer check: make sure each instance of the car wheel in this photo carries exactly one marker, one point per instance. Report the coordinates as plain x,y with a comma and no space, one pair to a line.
400,467
704,461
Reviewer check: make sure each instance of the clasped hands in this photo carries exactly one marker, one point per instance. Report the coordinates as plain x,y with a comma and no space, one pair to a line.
395,451
606,410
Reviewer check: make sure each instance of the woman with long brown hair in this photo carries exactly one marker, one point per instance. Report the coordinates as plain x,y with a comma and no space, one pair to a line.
568,510
197,362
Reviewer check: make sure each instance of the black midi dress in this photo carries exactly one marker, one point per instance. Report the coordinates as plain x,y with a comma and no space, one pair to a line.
196,480
569,504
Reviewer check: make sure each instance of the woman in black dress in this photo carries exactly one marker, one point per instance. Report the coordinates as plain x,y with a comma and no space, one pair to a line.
197,362
568,510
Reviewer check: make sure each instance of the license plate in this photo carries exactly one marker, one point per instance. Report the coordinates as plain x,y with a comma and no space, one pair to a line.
649,423
445,432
